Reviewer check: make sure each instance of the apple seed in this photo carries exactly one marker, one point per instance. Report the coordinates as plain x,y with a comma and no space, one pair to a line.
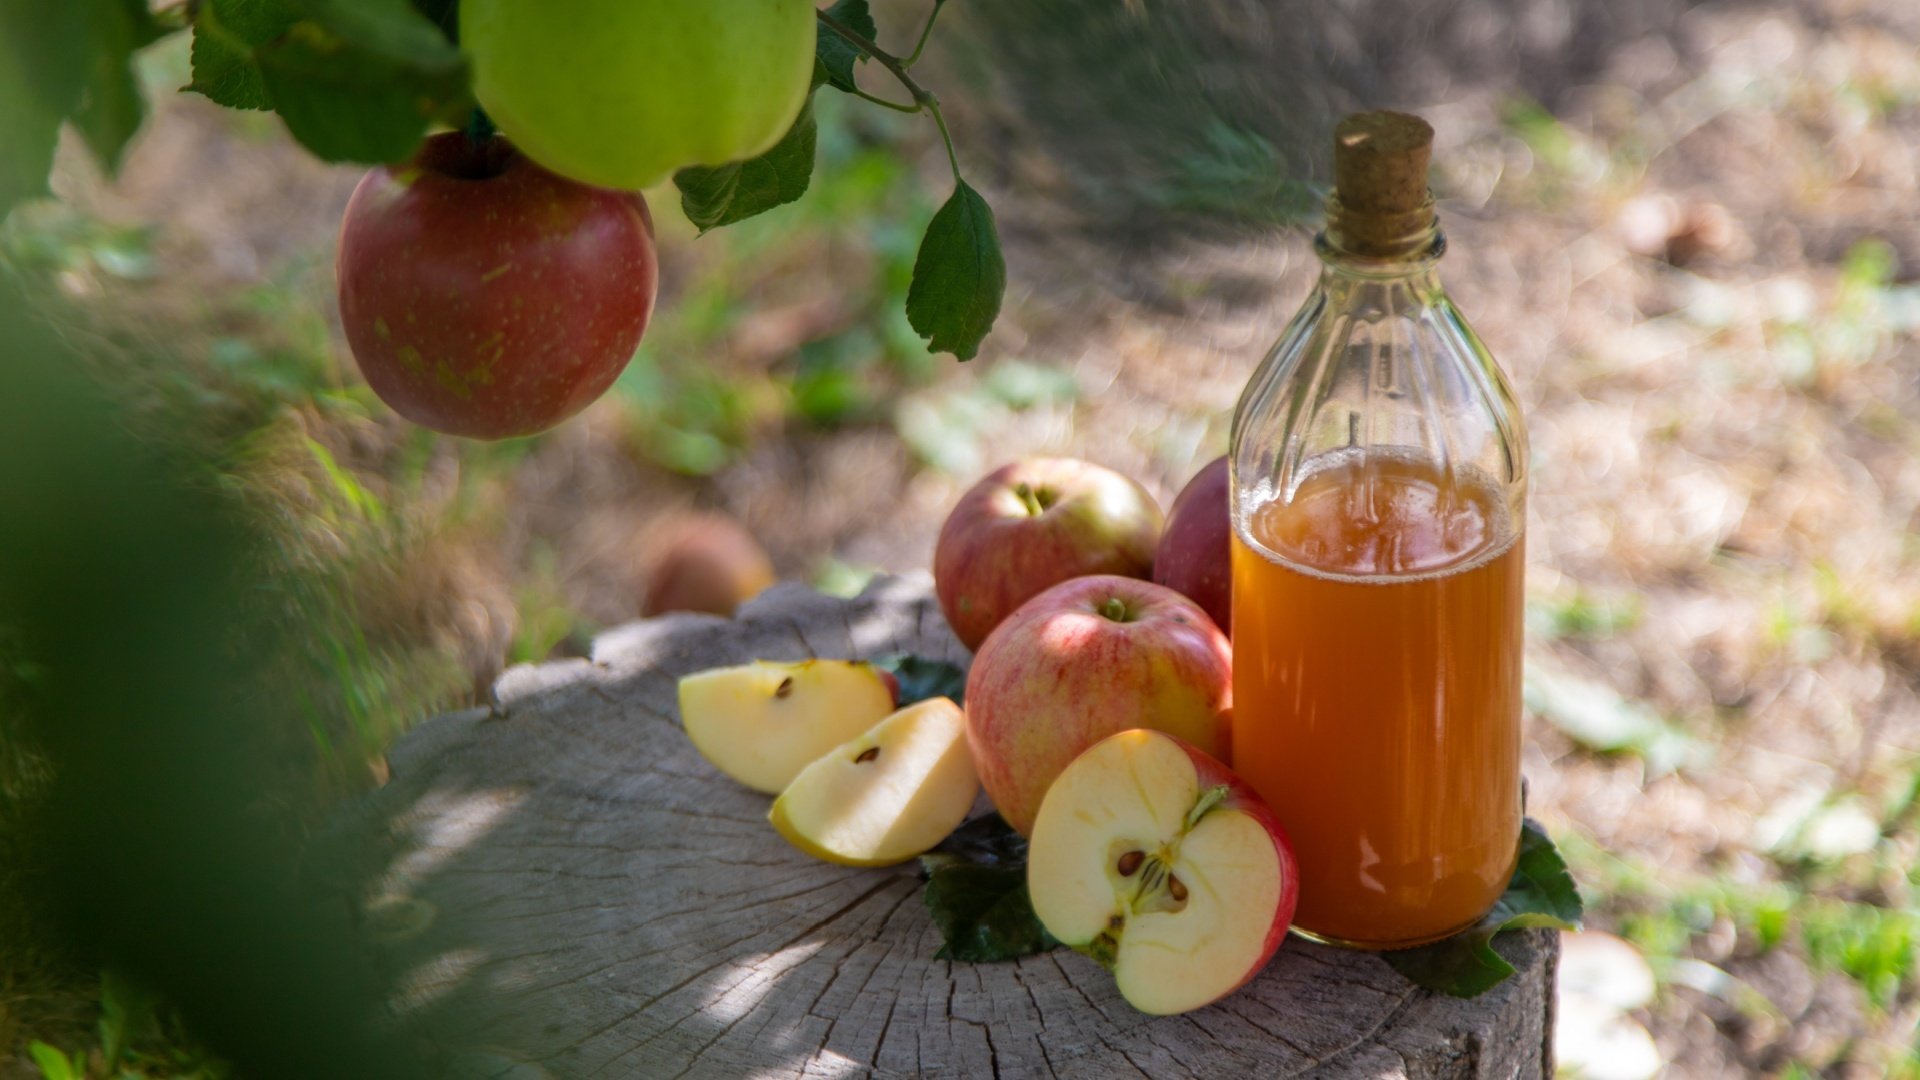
785,689
1130,862
1177,889
867,755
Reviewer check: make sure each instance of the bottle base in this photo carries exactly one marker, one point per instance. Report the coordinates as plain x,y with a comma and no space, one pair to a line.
1383,946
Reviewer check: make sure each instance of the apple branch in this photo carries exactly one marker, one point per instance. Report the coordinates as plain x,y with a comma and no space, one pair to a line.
922,97
925,33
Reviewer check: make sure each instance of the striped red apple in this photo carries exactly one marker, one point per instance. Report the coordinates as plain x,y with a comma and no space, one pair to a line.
1081,661
1030,525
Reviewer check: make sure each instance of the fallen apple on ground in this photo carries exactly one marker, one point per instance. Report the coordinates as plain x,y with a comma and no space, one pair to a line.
886,796
1031,525
707,563
1195,558
1157,861
761,723
1081,661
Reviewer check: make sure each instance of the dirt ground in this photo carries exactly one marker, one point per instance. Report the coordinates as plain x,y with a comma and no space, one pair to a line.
1694,257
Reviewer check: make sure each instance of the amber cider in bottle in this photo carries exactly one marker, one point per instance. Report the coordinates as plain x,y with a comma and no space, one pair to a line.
1379,499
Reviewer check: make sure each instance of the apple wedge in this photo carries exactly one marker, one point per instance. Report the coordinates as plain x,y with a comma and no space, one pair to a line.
887,796
1160,863
761,723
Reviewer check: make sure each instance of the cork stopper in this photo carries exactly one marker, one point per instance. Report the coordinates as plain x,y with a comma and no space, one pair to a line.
1380,163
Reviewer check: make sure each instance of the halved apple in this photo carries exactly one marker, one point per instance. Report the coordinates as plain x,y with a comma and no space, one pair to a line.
761,723
886,796
1160,863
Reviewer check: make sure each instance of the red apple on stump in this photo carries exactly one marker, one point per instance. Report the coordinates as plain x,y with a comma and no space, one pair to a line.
1195,557
1031,525
1157,861
1083,660
484,296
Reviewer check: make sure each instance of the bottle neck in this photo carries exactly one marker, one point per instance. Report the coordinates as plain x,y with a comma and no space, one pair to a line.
1372,244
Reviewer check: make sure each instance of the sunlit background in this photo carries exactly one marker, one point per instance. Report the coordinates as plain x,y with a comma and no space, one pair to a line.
1689,232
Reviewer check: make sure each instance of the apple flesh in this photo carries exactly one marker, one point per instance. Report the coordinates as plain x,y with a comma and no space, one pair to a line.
621,93
1031,525
762,723
1195,557
1081,661
887,796
484,296
1157,861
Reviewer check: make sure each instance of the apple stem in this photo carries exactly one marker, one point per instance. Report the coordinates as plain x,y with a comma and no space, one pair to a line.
480,129
1030,499
1114,608
880,56
1203,806
922,97
925,33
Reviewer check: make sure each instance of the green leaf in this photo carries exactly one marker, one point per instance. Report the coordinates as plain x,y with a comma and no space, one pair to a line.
40,83
444,14
112,108
983,841
54,1065
1541,893
355,80
1599,718
722,195
393,29
977,895
835,54
128,1015
342,103
66,60
921,678
959,276
225,34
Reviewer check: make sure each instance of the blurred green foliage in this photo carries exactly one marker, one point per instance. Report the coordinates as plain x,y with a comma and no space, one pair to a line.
139,1039
131,585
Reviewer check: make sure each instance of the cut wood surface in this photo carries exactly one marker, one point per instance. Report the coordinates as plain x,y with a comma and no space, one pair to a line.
565,882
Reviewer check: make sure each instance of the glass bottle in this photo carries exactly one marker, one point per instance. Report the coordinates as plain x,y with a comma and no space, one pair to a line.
1379,502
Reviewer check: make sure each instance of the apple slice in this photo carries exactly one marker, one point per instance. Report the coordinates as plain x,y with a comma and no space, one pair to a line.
886,796
1160,863
761,723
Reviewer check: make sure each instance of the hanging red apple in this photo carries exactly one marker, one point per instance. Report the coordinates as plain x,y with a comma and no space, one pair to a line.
487,297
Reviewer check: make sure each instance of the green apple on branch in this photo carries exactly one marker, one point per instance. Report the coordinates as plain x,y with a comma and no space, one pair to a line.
715,94
622,93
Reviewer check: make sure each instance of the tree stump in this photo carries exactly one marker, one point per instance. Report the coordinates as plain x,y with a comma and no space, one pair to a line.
565,882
